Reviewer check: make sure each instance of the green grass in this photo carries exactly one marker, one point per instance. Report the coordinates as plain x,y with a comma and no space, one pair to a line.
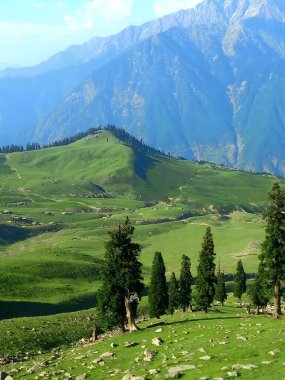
52,235
226,334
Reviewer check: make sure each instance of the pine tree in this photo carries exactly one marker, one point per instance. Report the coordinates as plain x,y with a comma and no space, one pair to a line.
185,283
173,294
273,247
220,288
121,278
259,291
239,281
206,279
158,295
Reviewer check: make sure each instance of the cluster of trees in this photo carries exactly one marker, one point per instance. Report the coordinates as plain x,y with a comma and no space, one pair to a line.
123,287
36,146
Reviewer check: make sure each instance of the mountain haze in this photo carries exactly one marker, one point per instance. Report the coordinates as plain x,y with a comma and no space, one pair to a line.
206,83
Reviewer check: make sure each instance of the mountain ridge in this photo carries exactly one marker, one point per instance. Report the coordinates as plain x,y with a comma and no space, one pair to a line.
204,83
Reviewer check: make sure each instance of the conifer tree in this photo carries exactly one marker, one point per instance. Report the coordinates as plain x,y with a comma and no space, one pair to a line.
239,281
185,283
206,279
220,288
122,284
173,294
158,294
259,291
273,247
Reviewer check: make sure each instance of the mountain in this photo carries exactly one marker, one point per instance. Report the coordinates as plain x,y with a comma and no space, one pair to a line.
204,83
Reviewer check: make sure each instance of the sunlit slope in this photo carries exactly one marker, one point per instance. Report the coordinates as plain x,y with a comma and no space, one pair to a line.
78,169
105,165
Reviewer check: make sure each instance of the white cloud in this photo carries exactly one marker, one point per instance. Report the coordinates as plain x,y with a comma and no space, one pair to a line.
97,12
28,43
164,7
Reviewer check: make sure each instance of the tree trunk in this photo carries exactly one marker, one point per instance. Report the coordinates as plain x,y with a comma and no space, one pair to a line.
132,326
277,300
257,310
94,332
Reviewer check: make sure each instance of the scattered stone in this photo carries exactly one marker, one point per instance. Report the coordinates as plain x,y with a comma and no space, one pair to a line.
81,377
249,366
237,366
149,354
241,337
102,363
224,368
107,355
172,375
80,357
207,357
274,352
158,330
157,341
131,377
97,360
9,378
114,345
233,374
153,371
181,368
201,350
267,362
204,378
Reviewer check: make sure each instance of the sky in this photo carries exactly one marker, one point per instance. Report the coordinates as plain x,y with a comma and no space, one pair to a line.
33,30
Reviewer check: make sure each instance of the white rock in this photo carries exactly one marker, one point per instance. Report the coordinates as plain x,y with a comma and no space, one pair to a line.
207,357
157,341
233,374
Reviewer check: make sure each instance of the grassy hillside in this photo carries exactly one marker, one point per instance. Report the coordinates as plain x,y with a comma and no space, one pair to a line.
57,205
94,164
222,344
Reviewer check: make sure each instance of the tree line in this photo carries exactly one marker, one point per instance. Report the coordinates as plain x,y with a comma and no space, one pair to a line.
121,134
122,280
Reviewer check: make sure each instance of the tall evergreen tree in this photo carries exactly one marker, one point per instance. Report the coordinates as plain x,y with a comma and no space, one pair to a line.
239,281
259,291
173,294
158,294
122,284
185,283
220,288
206,279
273,247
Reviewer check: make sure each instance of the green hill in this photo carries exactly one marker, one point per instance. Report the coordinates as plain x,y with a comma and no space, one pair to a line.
102,164
58,203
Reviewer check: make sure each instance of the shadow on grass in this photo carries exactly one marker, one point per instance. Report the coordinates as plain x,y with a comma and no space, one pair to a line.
163,323
15,309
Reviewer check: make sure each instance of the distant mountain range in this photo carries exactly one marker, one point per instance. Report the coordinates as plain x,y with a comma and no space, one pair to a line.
206,83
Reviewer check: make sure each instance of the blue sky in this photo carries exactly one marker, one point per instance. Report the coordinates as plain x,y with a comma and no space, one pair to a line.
33,30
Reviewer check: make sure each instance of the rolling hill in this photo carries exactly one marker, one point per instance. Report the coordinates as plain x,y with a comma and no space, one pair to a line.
58,203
